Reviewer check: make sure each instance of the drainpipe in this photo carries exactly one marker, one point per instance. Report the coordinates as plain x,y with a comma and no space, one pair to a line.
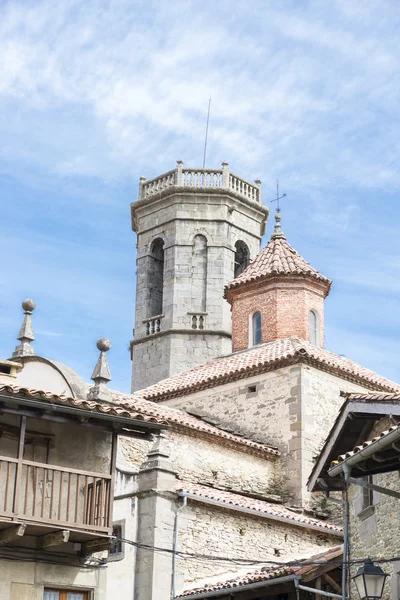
346,472
175,546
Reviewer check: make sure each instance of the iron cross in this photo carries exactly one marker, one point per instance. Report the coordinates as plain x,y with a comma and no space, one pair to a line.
278,197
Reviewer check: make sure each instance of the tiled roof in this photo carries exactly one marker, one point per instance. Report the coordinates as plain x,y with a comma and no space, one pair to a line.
180,418
269,573
87,405
365,444
260,359
266,509
374,396
277,258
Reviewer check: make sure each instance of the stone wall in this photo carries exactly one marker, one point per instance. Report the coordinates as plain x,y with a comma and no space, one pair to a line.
373,530
179,219
222,532
292,408
201,461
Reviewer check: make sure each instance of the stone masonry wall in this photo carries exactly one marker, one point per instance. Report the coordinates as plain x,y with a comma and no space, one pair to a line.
292,408
267,415
178,220
373,531
201,461
321,402
285,311
205,529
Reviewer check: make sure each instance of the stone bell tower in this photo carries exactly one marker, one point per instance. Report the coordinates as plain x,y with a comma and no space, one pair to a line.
196,230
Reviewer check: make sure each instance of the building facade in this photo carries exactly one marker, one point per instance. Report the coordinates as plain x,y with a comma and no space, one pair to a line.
231,374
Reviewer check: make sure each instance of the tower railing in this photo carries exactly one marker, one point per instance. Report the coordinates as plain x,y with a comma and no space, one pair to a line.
201,179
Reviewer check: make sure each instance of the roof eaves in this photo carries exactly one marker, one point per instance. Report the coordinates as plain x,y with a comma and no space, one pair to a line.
295,521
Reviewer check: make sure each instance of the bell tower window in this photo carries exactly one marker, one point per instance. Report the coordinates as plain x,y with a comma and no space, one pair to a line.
242,258
255,329
314,328
156,278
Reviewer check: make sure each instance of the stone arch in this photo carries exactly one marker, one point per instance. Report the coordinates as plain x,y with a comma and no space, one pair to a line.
155,274
242,257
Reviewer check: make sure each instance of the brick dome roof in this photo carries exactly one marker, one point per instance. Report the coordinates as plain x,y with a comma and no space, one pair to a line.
277,258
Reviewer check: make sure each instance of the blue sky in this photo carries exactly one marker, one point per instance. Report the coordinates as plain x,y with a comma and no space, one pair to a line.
94,94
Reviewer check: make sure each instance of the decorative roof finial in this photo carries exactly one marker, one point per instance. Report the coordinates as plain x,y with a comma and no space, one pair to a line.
278,197
101,374
25,335
277,233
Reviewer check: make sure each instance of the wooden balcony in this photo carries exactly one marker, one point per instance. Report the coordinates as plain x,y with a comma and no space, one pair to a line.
56,496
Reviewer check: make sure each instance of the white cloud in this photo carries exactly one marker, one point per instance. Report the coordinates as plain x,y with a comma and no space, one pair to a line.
290,84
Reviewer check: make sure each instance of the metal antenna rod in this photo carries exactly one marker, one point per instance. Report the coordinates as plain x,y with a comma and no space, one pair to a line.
205,141
278,197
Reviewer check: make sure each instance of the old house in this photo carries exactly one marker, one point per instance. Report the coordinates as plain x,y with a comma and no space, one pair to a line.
228,350
360,459
57,473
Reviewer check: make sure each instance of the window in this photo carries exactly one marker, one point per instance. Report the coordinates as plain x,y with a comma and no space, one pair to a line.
156,277
116,550
367,495
256,329
65,595
314,328
242,258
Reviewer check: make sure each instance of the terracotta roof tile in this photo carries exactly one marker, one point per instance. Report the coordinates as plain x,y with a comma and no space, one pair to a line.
374,396
277,258
116,410
260,359
267,573
182,419
267,509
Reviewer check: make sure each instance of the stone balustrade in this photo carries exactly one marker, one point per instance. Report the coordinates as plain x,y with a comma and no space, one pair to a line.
153,325
197,321
201,179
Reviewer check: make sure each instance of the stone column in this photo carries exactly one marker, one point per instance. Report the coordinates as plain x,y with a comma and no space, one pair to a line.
156,514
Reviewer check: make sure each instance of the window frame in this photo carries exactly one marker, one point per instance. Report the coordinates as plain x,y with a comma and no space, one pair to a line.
119,555
63,592
315,330
367,498
252,329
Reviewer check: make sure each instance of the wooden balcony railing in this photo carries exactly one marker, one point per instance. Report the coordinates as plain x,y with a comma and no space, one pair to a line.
47,494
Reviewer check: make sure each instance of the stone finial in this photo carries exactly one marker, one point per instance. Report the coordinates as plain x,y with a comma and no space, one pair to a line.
25,335
277,233
101,374
158,457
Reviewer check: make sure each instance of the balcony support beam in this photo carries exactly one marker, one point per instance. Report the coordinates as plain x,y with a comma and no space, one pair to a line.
99,545
54,539
12,533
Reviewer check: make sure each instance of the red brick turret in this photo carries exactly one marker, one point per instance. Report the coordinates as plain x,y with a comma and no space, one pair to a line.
287,292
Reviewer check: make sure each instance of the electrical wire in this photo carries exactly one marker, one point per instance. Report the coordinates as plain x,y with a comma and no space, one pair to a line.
254,561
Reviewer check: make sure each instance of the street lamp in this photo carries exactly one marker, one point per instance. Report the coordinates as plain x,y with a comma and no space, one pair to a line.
369,581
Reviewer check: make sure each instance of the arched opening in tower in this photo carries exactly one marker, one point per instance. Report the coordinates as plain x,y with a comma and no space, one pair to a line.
156,278
242,258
